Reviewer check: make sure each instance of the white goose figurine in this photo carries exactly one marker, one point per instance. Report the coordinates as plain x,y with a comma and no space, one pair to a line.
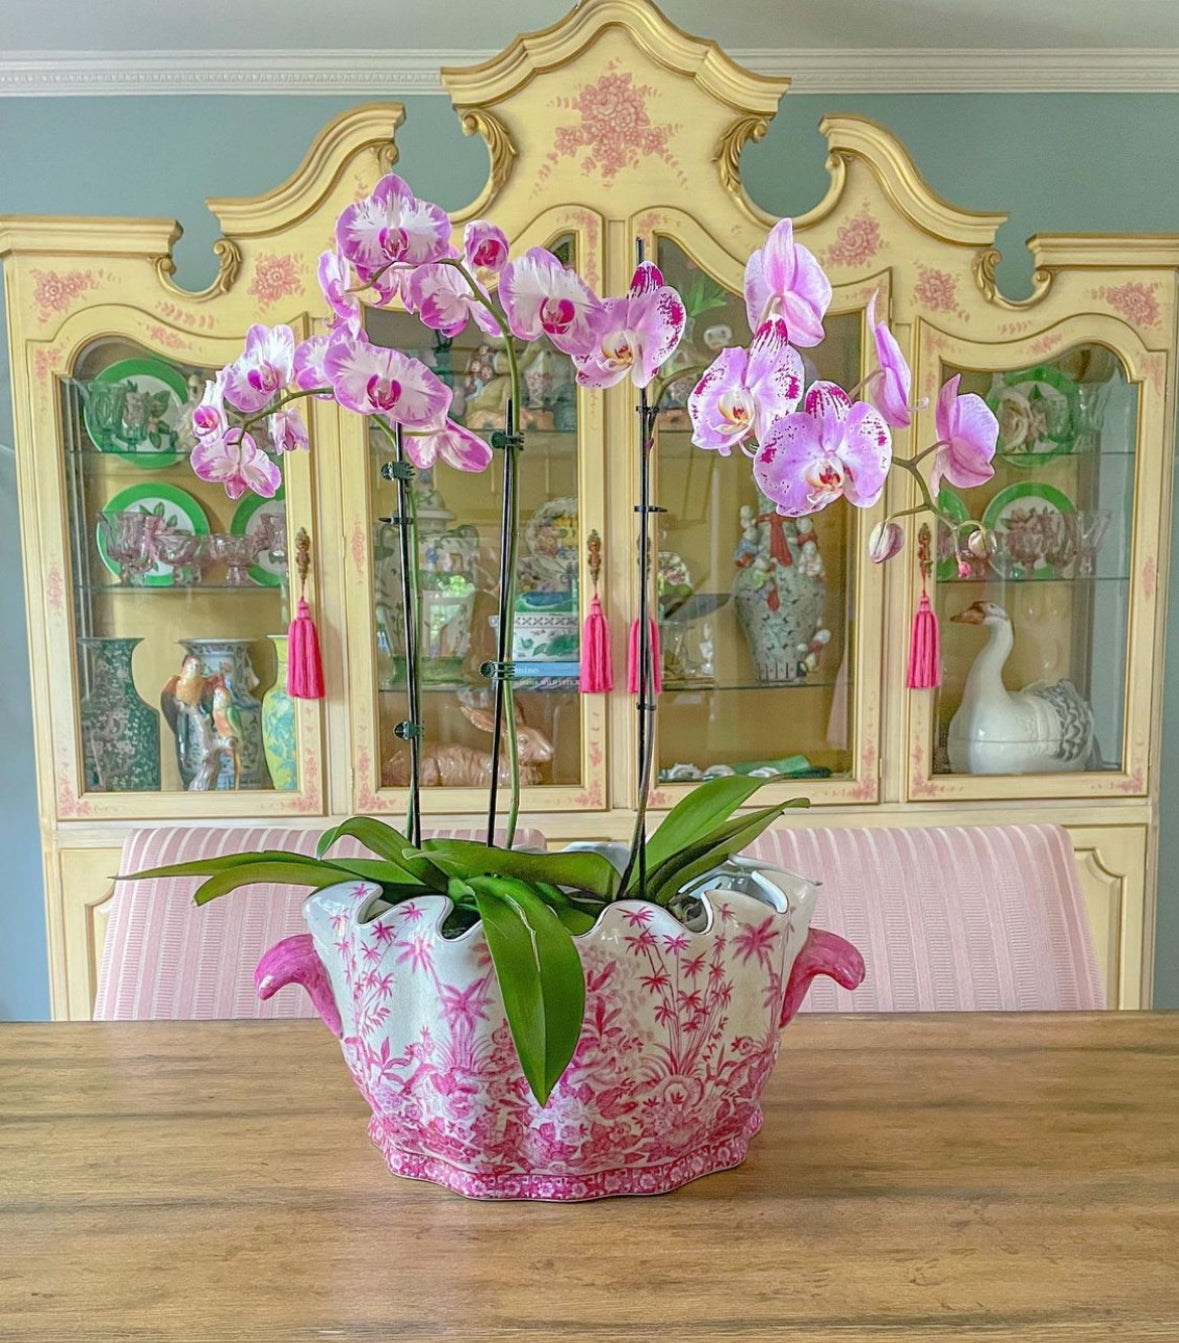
1038,730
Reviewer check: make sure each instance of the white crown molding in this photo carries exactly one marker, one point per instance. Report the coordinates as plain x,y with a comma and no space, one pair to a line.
38,74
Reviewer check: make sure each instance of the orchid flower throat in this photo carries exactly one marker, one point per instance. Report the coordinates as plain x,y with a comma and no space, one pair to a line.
556,315
383,392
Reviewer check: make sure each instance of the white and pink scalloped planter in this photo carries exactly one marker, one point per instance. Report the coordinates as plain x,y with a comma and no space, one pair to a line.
679,1038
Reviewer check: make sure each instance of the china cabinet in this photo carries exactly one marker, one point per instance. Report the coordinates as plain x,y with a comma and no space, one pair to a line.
783,648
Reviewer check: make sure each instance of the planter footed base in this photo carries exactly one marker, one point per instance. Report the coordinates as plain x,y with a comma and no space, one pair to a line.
512,1185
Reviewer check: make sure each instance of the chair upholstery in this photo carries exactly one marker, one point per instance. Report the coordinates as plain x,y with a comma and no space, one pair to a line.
954,918
163,958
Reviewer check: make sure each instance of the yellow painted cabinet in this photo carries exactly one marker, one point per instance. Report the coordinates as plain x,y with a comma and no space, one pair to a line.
783,647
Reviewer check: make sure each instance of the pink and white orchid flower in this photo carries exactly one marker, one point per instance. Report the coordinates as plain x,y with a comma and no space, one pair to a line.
831,448
389,227
309,372
335,279
262,370
543,298
891,386
453,444
208,416
967,431
234,460
373,380
287,430
485,245
637,334
743,392
442,297
784,279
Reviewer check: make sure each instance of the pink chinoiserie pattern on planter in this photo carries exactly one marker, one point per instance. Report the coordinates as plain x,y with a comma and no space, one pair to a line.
679,1036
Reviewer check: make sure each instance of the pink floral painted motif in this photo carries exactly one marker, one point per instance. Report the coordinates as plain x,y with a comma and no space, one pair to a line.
169,340
936,290
1136,302
679,1036
614,130
856,242
1149,575
275,278
55,291
55,590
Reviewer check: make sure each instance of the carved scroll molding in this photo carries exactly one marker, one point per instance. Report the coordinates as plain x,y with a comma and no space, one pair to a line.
229,262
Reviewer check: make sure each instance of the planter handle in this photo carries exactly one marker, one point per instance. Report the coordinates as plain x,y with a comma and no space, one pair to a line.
294,960
822,953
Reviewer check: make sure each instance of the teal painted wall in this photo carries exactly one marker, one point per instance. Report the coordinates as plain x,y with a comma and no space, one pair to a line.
1054,162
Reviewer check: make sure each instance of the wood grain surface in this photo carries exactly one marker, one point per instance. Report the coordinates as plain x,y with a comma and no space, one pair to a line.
974,1177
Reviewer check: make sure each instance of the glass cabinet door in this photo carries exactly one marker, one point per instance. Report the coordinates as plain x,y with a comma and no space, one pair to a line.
758,613
1035,634
459,517
179,597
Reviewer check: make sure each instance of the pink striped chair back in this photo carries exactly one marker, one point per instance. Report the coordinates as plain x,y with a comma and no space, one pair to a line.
164,958
953,918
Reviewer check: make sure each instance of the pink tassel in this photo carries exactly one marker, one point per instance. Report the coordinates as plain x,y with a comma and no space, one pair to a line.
632,659
304,666
597,675
925,661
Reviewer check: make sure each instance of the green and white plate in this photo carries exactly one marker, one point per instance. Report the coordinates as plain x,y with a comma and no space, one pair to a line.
248,518
133,408
178,509
1038,412
1005,508
953,507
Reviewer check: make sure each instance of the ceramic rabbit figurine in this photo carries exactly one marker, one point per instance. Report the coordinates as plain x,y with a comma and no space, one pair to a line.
456,766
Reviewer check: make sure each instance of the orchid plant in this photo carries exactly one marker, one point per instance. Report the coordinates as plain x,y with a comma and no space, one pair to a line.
808,447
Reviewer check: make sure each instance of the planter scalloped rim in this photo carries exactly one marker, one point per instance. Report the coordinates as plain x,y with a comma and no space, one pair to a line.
679,1037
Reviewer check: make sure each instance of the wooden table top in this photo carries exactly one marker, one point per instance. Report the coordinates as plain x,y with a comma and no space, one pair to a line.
989,1177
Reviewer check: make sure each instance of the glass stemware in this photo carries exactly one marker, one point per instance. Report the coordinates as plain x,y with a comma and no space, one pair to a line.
237,552
1089,525
183,551
126,536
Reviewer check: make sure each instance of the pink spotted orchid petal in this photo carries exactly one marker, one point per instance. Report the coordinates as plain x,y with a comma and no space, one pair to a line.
457,446
890,391
794,469
443,299
485,246
236,462
784,279
866,452
335,280
968,431
287,430
543,298
262,370
637,334
391,227
309,372
807,461
646,279
373,380
721,407
827,400
208,417
775,373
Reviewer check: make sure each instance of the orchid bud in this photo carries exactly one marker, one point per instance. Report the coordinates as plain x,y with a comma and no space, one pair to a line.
981,543
485,245
885,541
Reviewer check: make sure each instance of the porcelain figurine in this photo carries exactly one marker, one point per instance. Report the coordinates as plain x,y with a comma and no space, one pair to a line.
204,753
188,709
458,766
666,1082
1040,729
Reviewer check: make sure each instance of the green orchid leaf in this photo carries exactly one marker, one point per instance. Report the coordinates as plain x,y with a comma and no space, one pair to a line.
387,843
695,817
712,850
540,978
203,867
575,918
317,875
467,858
